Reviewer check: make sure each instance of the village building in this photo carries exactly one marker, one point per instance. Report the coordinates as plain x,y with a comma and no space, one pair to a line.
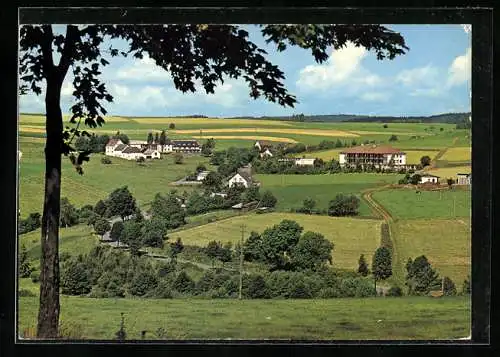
186,146
428,178
132,153
382,156
464,179
118,150
140,144
304,162
218,194
240,178
266,153
152,154
111,145
201,175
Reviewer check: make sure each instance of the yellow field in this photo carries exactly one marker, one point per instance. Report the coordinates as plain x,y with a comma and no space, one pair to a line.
39,119
209,121
413,156
31,129
457,154
448,172
313,132
244,137
363,132
326,155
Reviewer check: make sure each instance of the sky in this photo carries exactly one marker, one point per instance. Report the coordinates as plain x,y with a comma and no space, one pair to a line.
433,77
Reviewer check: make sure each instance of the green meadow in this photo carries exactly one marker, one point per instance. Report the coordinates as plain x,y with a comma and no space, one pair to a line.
406,204
409,318
291,190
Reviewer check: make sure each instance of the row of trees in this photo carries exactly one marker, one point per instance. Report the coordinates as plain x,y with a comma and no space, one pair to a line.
341,205
105,272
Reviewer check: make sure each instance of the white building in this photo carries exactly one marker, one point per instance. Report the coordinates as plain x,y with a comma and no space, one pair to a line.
140,144
201,175
372,155
152,154
464,179
266,153
240,178
111,145
132,153
304,162
428,178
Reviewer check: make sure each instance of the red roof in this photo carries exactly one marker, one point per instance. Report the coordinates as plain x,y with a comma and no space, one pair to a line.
371,149
112,142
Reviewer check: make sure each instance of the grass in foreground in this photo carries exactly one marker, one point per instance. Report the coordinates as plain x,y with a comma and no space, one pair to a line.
412,318
406,204
351,236
446,243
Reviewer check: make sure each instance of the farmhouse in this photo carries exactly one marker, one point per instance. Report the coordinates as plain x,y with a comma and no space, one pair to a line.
266,153
263,144
372,155
187,146
464,179
132,153
242,177
140,144
152,154
111,145
118,150
304,162
201,175
428,178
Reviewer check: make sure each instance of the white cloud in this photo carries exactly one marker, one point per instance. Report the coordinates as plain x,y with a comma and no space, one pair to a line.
342,69
427,92
142,70
418,76
460,69
376,96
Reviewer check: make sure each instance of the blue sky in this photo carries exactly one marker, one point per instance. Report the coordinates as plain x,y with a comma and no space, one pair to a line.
432,78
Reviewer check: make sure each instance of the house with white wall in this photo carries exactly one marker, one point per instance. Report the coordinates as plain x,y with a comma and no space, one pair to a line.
241,178
382,156
111,145
428,178
304,162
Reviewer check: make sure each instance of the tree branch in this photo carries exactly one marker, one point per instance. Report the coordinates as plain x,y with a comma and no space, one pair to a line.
72,34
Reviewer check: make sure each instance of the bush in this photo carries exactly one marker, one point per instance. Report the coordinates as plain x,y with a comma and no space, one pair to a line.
112,284
393,138
183,283
106,160
75,279
395,291
163,290
35,277
257,288
142,283
343,206
329,293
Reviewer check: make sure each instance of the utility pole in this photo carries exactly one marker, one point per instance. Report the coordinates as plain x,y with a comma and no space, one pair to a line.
241,260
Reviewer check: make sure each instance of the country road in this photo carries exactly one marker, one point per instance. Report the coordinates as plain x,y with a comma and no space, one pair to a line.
379,209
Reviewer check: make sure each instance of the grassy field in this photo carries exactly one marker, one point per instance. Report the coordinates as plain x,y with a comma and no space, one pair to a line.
415,318
457,154
445,242
73,240
447,172
351,236
291,190
98,179
406,204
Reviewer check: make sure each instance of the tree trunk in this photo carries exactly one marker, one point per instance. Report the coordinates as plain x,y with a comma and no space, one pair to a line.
48,315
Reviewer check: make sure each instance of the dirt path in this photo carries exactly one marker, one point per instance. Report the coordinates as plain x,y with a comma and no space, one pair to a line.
441,153
376,207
